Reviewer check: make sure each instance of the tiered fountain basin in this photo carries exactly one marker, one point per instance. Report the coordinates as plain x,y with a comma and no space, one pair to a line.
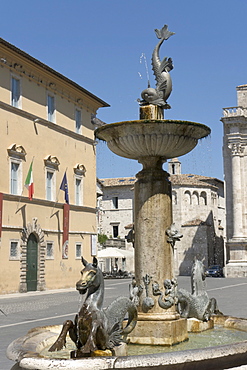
28,351
152,138
152,141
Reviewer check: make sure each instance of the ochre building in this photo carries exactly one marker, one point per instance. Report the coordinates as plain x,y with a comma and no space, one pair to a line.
46,123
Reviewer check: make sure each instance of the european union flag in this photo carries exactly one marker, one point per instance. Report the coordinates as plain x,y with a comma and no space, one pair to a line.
64,187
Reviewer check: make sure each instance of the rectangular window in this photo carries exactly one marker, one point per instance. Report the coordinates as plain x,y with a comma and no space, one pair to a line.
15,178
49,185
115,202
15,92
78,251
78,192
51,108
78,121
49,250
14,253
115,231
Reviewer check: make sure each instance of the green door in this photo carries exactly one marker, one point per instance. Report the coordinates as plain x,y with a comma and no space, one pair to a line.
32,262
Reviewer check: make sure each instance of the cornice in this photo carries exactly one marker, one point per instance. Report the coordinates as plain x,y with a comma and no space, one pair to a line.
17,151
237,139
46,203
51,161
234,120
79,169
194,186
49,231
16,64
40,121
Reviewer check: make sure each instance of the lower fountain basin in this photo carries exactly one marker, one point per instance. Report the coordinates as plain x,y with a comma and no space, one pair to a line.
152,138
27,352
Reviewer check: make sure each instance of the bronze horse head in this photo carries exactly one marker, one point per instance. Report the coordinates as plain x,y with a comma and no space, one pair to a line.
91,276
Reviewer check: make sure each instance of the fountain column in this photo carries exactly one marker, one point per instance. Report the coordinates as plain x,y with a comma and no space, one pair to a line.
154,262
153,216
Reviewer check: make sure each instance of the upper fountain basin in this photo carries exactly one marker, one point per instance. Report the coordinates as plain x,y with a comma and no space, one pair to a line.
157,138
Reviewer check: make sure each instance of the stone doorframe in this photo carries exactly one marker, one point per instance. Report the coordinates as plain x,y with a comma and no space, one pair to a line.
32,228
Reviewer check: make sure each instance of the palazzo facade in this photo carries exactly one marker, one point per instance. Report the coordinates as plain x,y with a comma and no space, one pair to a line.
45,120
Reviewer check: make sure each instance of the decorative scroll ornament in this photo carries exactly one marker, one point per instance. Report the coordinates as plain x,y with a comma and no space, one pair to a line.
173,235
79,169
147,302
135,292
15,150
236,148
51,161
161,69
168,298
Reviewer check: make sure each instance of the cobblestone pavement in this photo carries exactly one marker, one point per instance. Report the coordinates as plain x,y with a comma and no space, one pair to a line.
27,310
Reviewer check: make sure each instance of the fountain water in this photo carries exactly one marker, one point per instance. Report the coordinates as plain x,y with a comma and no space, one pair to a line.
151,140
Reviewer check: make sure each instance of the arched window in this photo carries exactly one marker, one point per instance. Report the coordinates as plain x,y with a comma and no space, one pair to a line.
187,197
213,198
195,198
174,198
203,198
173,168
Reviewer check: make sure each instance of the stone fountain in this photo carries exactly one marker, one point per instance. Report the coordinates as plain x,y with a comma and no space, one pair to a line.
151,140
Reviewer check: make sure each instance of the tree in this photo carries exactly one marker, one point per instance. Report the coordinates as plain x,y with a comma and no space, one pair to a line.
102,238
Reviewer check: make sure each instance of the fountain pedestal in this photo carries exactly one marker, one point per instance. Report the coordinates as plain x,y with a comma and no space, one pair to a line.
154,255
152,140
159,331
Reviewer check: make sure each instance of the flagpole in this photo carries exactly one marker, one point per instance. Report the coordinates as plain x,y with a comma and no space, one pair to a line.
22,193
56,198
17,209
55,203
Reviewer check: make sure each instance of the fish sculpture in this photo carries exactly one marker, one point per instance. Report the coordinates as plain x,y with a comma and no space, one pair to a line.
161,69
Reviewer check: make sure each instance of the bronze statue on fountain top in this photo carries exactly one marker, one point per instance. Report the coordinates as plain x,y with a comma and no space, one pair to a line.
161,69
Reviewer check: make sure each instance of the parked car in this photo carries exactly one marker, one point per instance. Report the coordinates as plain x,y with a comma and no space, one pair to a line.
214,270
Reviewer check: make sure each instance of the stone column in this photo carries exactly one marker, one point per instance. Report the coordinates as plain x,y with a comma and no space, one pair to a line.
154,257
153,215
236,151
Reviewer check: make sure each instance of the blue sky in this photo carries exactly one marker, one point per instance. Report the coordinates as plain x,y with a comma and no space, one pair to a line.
98,44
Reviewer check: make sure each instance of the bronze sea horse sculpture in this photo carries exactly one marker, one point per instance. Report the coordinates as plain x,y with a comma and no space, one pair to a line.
161,69
96,328
197,304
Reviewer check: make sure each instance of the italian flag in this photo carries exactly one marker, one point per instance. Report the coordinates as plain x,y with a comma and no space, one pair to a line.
29,182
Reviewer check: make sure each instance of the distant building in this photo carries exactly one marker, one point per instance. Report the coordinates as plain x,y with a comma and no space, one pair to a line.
45,118
198,213
116,218
235,169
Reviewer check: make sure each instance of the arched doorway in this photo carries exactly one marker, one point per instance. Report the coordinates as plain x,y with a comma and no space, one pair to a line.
32,263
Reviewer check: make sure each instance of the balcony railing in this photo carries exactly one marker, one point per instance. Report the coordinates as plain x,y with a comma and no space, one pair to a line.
234,112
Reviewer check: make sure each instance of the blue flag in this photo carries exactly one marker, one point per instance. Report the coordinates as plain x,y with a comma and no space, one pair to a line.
64,187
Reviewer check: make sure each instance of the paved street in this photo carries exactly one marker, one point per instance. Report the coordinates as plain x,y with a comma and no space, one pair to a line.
27,310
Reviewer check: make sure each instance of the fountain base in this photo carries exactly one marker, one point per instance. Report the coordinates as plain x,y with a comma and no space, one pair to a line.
164,333
27,352
197,326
